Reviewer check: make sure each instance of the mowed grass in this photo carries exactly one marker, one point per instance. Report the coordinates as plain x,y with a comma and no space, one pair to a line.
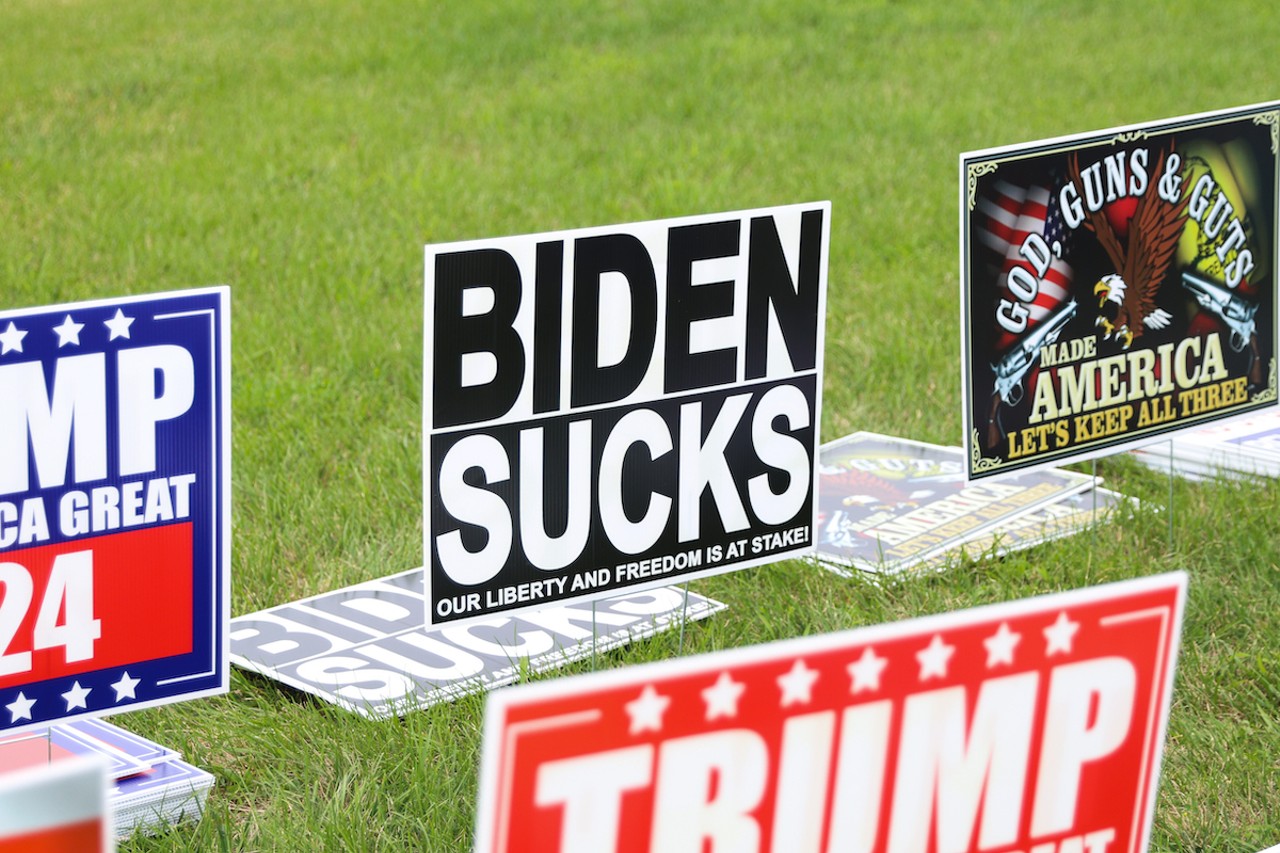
303,152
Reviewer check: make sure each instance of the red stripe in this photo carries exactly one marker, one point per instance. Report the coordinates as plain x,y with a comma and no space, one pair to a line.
84,837
141,596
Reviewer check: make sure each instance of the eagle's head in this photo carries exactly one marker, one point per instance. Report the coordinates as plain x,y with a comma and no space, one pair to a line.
1110,289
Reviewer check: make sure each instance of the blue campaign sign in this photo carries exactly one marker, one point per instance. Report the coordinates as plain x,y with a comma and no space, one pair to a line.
114,505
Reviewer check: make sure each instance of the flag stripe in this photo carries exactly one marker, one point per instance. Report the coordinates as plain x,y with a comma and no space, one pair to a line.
1005,218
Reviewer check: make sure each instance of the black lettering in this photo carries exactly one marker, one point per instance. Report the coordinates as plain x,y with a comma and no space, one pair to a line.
456,335
549,287
795,303
687,303
593,257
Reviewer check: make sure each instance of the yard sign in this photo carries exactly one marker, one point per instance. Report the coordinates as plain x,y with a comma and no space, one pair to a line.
1034,726
114,505
620,408
1117,286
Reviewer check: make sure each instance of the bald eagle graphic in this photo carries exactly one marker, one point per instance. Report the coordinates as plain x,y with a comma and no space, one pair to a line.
1127,297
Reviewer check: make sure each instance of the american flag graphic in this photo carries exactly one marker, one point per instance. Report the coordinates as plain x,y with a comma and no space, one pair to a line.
1005,217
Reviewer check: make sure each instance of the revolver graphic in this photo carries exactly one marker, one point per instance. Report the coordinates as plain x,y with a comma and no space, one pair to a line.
1014,364
1232,309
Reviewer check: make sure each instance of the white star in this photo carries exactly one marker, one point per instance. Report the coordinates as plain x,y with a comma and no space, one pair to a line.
77,696
646,710
1060,635
722,697
11,339
125,686
119,325
68,332
797,685
867,671
934,658
1000,646
20,708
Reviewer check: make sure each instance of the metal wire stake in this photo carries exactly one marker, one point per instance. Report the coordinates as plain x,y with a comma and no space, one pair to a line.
684,615
1169,508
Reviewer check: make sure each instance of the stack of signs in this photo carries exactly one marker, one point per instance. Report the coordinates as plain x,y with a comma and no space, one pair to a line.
1117,286
889,505
364,648
1056,520
1240,448
1035,725
114,505
151,786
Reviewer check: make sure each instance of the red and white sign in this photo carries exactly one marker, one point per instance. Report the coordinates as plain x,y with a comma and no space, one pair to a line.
56,808
1029,727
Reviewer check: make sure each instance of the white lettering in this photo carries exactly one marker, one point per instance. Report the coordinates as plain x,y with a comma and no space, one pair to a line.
156,384
1089,713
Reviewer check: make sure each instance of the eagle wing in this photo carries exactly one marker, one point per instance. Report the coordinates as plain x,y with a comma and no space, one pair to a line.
1153,237
1097,222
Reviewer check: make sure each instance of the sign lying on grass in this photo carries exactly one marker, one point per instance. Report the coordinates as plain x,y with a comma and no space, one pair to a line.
114,505
364,648
620,407
889,504
1117,286
1059,519
1030,726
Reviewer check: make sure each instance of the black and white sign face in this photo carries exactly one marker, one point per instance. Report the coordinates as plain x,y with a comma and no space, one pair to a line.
621,407
364,647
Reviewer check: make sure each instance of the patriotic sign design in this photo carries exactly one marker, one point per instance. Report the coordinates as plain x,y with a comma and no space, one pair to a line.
1029,726
1008,216
620,408
114,505
1117,286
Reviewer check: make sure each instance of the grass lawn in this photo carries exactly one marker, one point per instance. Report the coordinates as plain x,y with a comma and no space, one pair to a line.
303,151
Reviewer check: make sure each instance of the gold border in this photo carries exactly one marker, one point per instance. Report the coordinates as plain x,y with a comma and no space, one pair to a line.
1271,120
977,170
1131,136
1269,393
981,464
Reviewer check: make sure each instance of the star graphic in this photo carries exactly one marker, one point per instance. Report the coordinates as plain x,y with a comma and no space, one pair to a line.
1060,635
646,711
722,697
866,671
20,708
934,658
77,696
119,325
126,686
68,332
797,684
1000,646
11,339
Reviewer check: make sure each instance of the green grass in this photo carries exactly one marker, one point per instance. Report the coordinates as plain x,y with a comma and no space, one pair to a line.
303,152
